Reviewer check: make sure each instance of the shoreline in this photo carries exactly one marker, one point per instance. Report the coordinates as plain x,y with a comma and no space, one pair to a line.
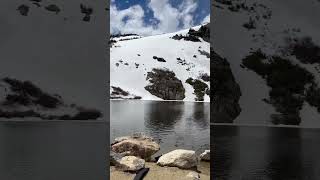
163,173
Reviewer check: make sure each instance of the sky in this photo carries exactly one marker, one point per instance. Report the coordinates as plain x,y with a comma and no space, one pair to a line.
150,17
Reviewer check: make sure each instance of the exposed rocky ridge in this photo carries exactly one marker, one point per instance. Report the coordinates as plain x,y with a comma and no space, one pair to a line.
22,99
288,84
225,92
200,88
165,84
194,35
118,93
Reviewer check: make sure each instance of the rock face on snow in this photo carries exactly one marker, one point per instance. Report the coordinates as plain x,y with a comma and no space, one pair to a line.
181,158
137,145
157,67
23,99
165,85
225,93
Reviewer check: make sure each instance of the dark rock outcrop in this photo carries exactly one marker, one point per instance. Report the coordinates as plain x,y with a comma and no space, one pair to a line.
199,87
23,10
160,59
287,81
203,32
225,92
204,53
193,35
165,85
306,50
118,93
23,99
53,8
87,11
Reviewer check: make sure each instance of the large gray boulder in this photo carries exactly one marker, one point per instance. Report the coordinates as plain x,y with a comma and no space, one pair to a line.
138,145
184,159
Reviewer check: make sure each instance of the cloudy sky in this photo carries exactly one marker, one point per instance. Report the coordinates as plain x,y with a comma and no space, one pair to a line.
149,17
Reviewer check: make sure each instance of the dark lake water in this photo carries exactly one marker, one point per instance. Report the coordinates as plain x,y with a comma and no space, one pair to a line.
53,150
174,124
265,153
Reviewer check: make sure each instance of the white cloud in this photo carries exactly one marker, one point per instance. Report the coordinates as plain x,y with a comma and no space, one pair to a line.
169,18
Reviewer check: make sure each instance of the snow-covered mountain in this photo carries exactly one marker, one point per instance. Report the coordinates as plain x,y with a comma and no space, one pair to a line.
174,66
272,49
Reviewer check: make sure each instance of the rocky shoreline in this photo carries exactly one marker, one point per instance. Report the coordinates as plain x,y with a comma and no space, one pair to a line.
131,156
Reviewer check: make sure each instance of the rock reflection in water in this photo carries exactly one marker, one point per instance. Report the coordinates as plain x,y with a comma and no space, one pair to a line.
162,115
266,153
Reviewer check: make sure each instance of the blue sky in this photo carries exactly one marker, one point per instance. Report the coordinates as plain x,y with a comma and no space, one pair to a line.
148,17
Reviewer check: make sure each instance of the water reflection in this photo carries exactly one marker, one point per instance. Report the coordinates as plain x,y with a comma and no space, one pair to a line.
173,124
201,114
249,153
162,115
34,150
224,143
284,164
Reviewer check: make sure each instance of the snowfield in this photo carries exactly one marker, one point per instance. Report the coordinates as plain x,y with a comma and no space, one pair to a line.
132,57
273,23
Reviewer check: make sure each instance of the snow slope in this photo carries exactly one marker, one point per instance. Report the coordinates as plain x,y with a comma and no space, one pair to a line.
60,52
139,52
275,21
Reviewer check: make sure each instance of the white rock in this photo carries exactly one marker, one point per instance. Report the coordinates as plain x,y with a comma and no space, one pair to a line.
205,156
193,176
131,163
181,158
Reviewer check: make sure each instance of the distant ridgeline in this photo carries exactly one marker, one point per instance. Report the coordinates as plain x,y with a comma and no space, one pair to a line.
23,99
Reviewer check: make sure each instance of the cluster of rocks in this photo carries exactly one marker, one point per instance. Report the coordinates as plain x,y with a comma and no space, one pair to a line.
130,153
194,35
24,9
124,37
200,88
87,11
